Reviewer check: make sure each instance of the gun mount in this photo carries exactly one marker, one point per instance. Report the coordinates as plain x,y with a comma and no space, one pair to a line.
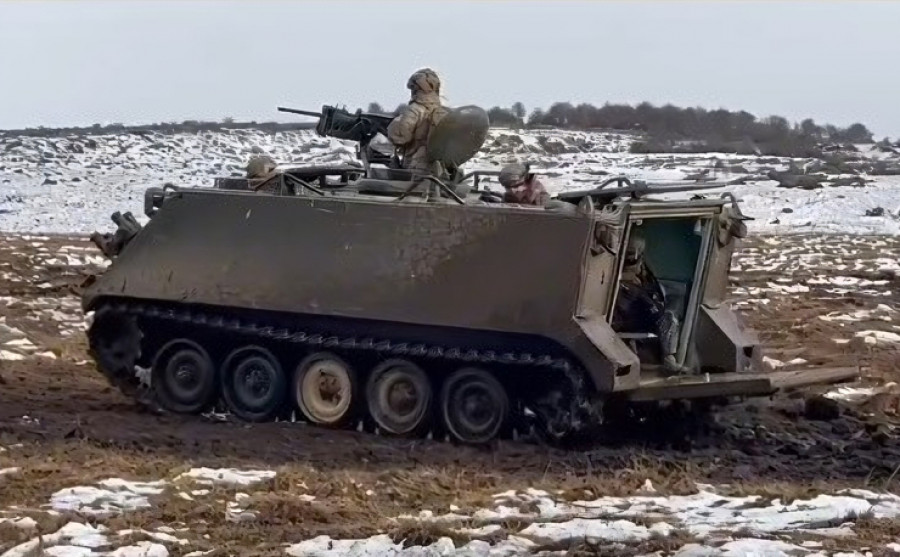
361,127
458,136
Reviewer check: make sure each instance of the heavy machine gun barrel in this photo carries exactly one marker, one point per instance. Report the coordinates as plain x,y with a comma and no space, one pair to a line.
298,111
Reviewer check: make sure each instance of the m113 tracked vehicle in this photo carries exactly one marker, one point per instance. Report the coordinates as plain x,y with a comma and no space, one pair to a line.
418,303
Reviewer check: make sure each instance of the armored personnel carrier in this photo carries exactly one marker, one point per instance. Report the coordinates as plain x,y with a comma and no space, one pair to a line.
418,303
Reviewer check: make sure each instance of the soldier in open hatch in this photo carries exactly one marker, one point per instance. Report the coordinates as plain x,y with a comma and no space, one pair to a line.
409,130
259,169
260,166
521,186
641,305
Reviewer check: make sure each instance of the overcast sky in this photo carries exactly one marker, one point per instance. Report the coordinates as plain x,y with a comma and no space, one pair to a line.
77,63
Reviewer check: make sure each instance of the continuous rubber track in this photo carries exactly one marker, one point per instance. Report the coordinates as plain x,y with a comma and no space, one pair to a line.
551,421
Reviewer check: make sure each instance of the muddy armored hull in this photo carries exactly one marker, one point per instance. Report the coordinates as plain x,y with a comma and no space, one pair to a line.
363,281
406,313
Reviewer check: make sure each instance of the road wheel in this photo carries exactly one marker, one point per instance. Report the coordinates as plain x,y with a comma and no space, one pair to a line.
474,406
325,390
399,397
253,384
184,377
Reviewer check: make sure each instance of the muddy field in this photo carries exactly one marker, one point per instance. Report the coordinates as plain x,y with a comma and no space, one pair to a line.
815,300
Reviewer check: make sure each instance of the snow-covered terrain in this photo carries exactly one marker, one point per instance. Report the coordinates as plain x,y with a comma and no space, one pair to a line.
72,184
531,521
825,295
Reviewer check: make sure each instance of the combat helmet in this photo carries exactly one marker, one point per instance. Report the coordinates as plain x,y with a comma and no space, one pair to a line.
513,174
425,80
260,166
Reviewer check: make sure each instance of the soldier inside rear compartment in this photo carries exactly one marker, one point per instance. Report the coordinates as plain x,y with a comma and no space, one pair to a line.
409,130
641,305
521,186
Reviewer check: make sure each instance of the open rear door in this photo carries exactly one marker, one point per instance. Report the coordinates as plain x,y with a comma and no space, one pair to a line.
603,262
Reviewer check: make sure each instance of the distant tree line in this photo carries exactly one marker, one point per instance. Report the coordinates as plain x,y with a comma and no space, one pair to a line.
663,128
671,129
187,126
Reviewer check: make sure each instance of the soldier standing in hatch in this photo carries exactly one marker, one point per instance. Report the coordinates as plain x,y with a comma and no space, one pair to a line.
641,305
409,130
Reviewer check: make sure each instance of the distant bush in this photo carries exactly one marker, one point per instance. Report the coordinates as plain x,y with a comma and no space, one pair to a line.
650,146
504,117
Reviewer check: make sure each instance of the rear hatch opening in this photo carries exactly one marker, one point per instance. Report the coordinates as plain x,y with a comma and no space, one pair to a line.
666,277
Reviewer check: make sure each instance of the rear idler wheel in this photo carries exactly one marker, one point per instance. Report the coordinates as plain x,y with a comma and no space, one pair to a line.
325,390
399,397
184,377
474,406
253,384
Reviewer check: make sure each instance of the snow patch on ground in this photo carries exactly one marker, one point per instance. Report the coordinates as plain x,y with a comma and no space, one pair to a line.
711,518
593,531
881,312
878,337
14,344
324,546
721,525
227,476
25,522
235,511
113,496
858,394
748,548
83,540
705,512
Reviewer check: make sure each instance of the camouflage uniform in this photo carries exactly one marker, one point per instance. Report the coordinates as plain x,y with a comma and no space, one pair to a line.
642,305
522,187
409,130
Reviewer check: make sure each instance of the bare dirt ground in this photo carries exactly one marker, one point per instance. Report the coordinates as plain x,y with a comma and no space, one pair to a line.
826,300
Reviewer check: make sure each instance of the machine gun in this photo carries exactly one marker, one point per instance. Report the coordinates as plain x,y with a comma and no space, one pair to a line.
360,127
459,135
341,124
